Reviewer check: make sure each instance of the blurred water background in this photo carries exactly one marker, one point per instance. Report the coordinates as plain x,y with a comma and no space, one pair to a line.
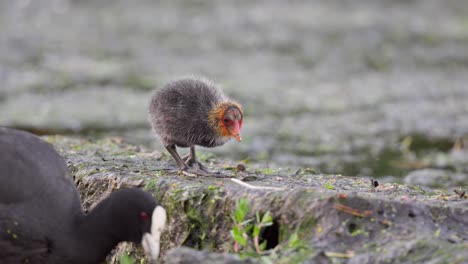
361,87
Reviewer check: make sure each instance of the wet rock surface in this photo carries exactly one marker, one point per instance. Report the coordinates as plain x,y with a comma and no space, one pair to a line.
185,255
435,178
338,219
336,85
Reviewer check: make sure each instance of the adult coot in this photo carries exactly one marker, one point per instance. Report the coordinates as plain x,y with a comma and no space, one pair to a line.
41,218
193,111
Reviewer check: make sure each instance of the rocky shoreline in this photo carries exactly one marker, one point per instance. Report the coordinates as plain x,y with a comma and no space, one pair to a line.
337,219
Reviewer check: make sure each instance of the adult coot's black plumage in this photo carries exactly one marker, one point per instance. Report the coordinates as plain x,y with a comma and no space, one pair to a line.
41,218
193,111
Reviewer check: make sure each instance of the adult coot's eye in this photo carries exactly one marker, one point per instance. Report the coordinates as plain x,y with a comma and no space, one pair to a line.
144,216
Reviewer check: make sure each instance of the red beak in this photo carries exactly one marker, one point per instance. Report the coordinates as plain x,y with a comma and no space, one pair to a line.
236,131
238,137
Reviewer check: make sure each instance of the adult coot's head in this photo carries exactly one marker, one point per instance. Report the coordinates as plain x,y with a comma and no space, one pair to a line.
135,216
41,218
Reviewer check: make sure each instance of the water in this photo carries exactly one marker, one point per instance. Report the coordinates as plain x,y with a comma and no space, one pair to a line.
334,85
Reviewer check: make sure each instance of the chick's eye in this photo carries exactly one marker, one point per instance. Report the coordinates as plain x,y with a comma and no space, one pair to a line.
144,216
226,120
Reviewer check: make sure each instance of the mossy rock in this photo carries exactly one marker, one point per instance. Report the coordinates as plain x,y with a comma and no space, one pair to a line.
340,219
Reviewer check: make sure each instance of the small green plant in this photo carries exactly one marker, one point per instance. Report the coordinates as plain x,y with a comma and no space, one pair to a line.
126,259
150,185
294,242
294,250
260,223
246,232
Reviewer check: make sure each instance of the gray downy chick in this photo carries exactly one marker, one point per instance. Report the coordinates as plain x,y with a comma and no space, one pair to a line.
193,111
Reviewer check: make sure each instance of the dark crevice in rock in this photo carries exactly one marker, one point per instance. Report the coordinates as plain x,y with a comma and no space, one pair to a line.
352,227
271,235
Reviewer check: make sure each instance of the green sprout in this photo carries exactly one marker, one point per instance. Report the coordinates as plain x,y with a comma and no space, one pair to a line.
246,231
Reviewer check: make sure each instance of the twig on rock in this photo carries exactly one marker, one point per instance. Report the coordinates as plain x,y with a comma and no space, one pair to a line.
256,187
352,211
348,254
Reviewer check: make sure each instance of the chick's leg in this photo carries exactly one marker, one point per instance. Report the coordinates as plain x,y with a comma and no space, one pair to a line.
189,171
195,164
172,150
190,156
186,158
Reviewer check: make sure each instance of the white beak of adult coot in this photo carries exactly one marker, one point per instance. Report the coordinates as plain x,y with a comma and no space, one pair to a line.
151,242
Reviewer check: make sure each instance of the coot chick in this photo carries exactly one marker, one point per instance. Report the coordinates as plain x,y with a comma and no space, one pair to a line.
41,218
193,111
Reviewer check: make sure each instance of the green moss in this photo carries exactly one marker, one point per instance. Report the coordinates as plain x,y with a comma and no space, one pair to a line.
200,211
267,171
205,156
369,246
306,228
358,232
212,187
197,211
436,251
126,259
417,189
294,250
151,184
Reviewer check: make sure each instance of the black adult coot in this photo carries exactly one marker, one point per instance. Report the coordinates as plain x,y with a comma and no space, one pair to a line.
41,218
193,111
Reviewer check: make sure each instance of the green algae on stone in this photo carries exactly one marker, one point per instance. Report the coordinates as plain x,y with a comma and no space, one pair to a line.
388,222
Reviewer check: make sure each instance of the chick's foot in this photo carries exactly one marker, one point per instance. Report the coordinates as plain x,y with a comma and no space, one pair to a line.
194,171
201,169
